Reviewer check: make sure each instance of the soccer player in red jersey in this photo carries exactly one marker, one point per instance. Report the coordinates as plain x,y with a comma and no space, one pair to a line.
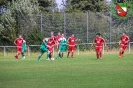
18,42
57,39
124,39
71,41
50,46
98,47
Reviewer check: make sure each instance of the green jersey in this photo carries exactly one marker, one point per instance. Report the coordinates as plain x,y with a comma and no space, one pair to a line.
43,47
62,41
23,45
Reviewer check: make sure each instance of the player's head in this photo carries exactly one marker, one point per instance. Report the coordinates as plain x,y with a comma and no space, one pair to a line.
98,35
20,36
124,33
72,35
62,35
59,33
52,33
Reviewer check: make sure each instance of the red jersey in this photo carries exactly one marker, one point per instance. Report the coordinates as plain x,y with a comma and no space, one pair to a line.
51,42
124,39
53,37
58,37
99,41
71,41
18,41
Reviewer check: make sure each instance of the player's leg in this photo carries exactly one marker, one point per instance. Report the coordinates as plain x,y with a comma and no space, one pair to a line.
59,50
73,47
63,50
97,52
69,50
18,53
124,47
121,50
47,56
41,53
51,53
22,53
58,54
100,53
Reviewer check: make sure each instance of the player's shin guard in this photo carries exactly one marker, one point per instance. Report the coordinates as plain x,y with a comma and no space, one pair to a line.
97,55
120,54
100,54
68,54
72,54
61,55
47,55
57,56
39,57
50,55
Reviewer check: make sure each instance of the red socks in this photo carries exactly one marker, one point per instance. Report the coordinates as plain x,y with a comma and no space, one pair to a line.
100,54
72,54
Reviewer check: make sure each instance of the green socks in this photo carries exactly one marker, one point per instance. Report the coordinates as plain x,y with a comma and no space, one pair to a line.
57,56
47,56
38,59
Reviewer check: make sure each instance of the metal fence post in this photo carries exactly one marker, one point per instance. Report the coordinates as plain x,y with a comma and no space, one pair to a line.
87,26
64,16
4,51
41,23
129,48
28,51
78,48
103,48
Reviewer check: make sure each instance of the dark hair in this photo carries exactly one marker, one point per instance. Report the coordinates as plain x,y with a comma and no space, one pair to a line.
124,32
98,34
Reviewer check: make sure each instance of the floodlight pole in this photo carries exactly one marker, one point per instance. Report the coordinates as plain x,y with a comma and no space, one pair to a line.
110,32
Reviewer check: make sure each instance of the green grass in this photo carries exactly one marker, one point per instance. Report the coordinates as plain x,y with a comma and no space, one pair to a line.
82,71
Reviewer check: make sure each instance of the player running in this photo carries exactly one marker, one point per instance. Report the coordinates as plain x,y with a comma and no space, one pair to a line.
43,49
23,49
50,46
98,47
124,39
57,39
62,47
71,41
18,42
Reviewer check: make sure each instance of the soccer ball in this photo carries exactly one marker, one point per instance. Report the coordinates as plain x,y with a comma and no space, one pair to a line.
52,59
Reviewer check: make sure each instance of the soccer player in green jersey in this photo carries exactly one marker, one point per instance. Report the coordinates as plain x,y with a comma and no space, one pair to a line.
62,47
43,49
23,49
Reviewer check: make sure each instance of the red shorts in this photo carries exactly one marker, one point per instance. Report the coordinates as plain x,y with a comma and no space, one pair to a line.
97,49
71,48
51,50
122,46
19,48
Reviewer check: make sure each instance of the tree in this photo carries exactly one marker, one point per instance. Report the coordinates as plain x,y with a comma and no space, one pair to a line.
8,21
85,5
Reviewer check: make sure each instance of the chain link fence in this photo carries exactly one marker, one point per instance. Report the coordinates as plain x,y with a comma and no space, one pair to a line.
83,25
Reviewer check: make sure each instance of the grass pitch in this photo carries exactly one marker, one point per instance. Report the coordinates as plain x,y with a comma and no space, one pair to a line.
82,71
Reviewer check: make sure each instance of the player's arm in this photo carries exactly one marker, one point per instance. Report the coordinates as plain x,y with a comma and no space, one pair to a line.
128,40
105,44
92,43
15,41
119,42
77,39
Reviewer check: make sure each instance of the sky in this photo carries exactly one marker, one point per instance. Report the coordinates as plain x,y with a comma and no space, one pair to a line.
59,2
